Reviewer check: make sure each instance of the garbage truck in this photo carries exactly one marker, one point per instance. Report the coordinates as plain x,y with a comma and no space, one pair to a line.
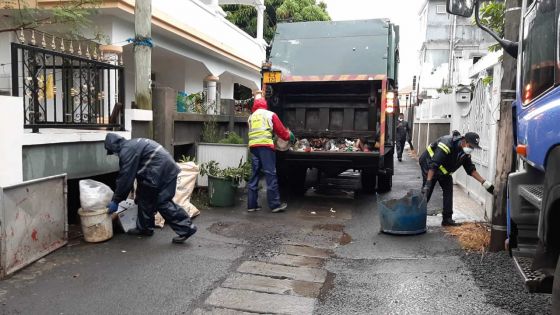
534,188
334,84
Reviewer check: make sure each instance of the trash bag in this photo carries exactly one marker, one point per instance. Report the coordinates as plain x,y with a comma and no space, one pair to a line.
186,182
94,195
282,145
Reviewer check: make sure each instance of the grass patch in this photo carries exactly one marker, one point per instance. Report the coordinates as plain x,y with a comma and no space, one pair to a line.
474,237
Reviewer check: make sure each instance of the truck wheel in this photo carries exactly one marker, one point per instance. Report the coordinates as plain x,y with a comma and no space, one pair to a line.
297,181
368,180
384,183
556,290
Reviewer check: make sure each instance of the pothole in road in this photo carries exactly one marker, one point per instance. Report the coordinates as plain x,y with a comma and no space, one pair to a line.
328,285
344,239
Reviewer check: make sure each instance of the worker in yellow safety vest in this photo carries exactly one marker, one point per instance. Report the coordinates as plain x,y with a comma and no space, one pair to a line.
441,159
263,124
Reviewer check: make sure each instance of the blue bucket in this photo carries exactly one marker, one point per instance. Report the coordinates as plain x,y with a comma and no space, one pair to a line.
405,216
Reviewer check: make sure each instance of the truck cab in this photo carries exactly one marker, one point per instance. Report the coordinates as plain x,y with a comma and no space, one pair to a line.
336,82
533,188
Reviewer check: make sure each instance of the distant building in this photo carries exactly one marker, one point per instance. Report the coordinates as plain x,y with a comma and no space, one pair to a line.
450,43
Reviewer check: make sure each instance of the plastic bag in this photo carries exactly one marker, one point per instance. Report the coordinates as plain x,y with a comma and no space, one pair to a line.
94,195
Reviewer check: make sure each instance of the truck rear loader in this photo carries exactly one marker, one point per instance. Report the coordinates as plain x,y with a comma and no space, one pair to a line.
336,82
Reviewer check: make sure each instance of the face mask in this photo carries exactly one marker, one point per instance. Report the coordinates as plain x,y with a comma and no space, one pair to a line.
468,150
401,119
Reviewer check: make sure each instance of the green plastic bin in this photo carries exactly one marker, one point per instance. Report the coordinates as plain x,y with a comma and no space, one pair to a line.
221,191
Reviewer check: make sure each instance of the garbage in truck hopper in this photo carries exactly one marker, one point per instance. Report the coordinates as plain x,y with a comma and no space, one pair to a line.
333,145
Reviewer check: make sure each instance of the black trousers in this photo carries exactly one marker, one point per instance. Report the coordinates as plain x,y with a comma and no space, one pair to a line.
151,200
446,184
400,148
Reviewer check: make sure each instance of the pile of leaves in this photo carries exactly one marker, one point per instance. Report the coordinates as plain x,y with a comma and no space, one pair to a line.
235,174
472,236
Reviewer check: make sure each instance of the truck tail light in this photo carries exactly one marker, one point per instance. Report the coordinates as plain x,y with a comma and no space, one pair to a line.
390,102
521,150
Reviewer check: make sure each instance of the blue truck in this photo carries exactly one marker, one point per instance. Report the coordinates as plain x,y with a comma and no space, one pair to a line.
534,187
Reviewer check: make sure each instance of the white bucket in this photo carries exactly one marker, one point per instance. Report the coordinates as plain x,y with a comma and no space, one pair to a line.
97,225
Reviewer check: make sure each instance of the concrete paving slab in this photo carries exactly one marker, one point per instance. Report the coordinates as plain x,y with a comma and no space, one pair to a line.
283,272
305,251
251,301
296,261
272,285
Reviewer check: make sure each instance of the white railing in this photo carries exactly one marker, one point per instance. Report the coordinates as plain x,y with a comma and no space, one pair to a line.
205,20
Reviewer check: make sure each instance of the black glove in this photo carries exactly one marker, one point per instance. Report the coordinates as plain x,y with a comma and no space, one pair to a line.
426,187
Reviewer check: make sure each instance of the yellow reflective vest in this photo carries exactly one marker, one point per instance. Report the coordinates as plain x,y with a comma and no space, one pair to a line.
260,129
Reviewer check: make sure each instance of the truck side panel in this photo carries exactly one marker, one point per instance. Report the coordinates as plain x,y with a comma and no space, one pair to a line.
538,127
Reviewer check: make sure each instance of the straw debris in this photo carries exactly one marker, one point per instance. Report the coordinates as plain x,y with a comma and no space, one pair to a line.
473,237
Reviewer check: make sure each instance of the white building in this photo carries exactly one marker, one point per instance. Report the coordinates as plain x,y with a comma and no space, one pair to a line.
196,49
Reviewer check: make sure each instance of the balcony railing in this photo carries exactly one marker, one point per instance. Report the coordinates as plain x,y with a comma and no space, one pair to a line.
67,87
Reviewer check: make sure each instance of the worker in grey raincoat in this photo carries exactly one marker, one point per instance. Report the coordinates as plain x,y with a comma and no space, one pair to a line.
156,173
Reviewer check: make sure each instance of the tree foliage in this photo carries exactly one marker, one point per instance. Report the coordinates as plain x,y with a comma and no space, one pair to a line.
492,15
245,17
73,14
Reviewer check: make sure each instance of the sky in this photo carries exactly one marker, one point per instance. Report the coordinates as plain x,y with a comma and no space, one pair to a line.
401,12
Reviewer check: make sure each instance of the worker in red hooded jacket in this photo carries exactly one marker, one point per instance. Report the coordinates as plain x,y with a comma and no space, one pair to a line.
262,125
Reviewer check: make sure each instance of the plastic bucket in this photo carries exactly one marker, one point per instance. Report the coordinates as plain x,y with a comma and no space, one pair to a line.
403,216
221,192
97,225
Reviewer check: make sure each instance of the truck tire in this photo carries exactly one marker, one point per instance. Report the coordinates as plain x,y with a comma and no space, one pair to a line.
368,179
297,181
556,290
384,183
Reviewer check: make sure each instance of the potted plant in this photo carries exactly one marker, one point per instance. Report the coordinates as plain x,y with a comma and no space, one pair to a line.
226,151
223,182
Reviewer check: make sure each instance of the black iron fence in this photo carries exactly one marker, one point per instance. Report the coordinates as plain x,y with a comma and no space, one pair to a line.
62,90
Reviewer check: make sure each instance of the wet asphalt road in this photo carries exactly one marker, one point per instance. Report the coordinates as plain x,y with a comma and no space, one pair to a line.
367,272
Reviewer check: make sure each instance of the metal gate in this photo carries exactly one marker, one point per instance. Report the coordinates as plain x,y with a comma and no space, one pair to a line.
63,90
34,221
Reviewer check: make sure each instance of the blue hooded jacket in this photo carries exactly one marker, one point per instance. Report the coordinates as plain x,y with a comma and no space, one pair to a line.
143,159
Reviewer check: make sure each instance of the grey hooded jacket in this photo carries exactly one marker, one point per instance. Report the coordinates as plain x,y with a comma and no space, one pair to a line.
143,159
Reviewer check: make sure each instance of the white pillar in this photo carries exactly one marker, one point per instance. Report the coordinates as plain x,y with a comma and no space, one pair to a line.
211,96
260,22
11,140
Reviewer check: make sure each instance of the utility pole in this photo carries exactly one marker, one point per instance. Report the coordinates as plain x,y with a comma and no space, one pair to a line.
143,56
504,157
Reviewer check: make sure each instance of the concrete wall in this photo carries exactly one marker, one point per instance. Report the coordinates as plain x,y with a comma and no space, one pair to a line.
78,160
427,132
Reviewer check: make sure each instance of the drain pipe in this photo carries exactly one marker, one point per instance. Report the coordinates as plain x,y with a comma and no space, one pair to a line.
452,50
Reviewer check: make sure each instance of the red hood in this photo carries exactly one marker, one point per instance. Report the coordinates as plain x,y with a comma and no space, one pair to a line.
259,104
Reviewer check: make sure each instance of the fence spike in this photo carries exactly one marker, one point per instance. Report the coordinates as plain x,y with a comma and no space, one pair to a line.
53,43
21,36
43,42
62,48
79,49
71,49
33,41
